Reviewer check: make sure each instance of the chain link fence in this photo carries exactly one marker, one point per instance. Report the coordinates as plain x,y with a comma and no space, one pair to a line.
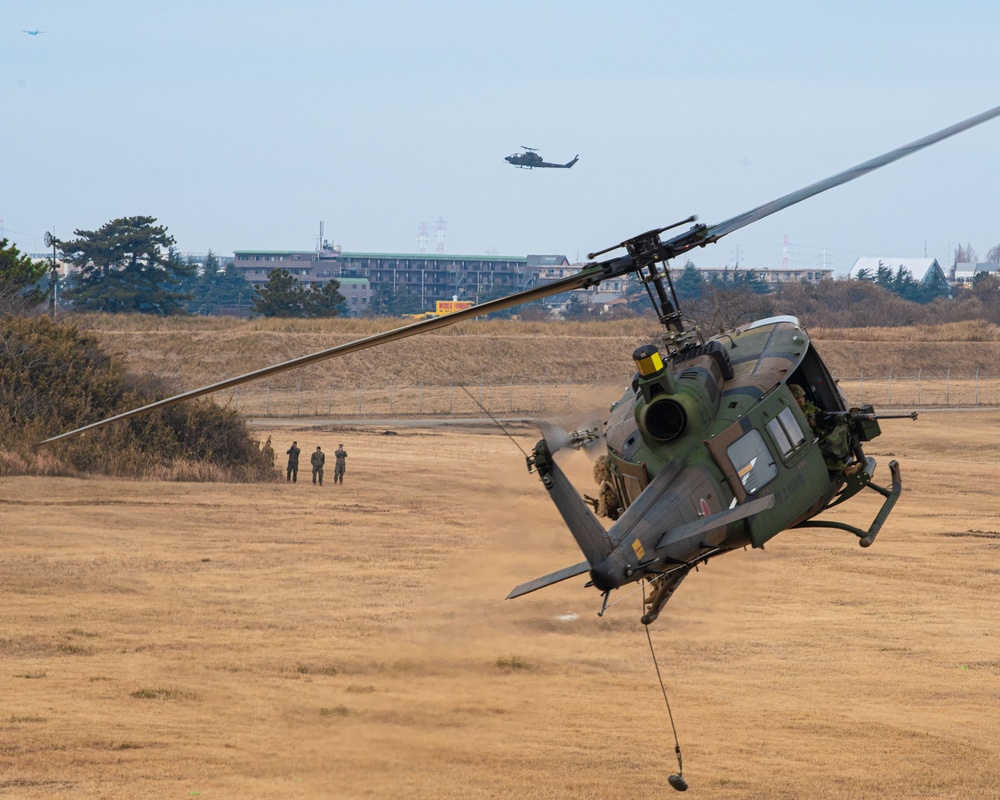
911,390
395,398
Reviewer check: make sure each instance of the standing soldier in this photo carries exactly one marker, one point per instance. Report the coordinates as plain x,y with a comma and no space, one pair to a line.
293,463
318,459
268,452
341,465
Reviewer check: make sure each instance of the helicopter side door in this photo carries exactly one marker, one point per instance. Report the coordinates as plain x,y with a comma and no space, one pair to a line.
772,451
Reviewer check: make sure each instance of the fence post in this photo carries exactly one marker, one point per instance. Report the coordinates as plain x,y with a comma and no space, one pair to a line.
918,386
329,404
569,397
511,404
421,397
947,388
861,388
390,397
299,412
361,394
890,388
480,392
451,397
977,386
267,400
539,397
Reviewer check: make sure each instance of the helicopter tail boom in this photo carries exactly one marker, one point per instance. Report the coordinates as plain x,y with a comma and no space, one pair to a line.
585,527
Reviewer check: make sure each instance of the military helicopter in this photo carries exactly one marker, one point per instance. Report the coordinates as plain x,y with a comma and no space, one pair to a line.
530,159
718,443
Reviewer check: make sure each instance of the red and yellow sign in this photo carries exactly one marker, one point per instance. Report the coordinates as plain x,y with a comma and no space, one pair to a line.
443,307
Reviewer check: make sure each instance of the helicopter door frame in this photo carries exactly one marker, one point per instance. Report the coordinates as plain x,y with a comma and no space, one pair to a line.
820,387
630,476
718,446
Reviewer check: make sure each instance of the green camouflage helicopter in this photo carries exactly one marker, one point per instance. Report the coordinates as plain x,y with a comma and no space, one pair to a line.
718,443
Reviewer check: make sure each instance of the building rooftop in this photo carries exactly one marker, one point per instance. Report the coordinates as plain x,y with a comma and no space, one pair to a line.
918,267
412,256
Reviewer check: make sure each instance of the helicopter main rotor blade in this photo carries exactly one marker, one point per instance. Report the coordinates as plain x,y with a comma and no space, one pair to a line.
588,276
719,230
592,274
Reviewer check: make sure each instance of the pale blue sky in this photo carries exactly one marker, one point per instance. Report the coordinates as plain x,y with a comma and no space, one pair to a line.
243,124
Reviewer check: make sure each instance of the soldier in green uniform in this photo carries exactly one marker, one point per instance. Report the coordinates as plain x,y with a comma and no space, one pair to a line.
293,463
834,437
268,452
341,465
809,409
318,459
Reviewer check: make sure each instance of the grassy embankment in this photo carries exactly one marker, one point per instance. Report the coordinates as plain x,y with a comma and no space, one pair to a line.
537,358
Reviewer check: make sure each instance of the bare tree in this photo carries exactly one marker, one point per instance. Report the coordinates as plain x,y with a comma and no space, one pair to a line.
965,255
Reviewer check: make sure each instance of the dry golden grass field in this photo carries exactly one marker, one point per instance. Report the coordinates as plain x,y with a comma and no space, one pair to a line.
173,640
195,351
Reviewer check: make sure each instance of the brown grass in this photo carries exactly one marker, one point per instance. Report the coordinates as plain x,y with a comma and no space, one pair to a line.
193,352
165,639
971,331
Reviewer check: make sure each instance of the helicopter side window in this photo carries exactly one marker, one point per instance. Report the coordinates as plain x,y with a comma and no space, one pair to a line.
780,438
786,432
753,461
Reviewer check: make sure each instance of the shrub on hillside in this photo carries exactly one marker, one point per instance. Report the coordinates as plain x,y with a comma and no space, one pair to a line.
53,378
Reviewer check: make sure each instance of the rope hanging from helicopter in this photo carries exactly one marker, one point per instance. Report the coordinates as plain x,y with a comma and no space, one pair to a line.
496,422
677,781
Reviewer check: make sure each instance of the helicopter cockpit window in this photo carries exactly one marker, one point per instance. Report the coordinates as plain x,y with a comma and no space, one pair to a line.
786,432
753,461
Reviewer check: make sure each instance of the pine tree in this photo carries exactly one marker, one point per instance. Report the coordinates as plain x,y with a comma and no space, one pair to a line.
281,296
20,277
127,265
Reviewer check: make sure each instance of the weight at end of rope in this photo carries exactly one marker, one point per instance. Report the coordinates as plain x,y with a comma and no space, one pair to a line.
678,783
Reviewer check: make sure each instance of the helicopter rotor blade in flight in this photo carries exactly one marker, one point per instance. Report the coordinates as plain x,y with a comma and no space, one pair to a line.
586,277
730,225
715,232
697,236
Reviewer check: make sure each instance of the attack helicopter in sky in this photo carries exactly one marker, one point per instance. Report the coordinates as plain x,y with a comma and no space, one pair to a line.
530,159
718,443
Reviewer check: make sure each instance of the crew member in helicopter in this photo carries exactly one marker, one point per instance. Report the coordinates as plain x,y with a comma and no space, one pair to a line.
834,438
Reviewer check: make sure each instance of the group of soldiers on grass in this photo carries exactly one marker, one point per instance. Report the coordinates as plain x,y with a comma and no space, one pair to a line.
317,460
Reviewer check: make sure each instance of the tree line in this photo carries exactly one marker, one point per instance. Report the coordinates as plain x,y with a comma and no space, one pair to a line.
131,265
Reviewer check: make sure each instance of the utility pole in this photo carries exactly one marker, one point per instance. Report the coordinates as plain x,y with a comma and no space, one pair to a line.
51,241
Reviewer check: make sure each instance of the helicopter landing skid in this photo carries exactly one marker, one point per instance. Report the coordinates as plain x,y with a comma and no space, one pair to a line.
864,482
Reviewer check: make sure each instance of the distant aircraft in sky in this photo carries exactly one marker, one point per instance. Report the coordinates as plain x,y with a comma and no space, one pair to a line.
530,159
35,32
